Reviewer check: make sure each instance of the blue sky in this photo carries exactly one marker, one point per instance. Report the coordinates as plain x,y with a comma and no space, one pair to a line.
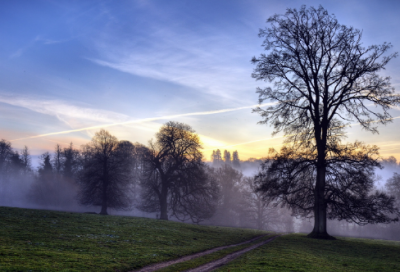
130,66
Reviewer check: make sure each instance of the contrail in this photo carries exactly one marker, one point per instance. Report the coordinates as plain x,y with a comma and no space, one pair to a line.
143,121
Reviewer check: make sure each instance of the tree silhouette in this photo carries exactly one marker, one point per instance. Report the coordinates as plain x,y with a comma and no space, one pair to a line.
216,158
229,207
393,187
289,177
227,156
323,78
235,160
175,179
106,173
71,162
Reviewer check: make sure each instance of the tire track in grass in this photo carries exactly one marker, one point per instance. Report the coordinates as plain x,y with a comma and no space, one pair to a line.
154,267
228,258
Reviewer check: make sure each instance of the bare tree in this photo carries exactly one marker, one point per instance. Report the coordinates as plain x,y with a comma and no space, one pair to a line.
175,179
261,212
393,187
15,172
6,153
229,205
323,78
290,179
106,173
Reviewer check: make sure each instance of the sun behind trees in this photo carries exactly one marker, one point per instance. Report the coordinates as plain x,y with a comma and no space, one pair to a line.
323,78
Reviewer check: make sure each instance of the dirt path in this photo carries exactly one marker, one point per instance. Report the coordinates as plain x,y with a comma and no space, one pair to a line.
157,266
228,258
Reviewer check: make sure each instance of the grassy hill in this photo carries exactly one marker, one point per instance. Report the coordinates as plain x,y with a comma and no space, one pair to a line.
296,252
38,240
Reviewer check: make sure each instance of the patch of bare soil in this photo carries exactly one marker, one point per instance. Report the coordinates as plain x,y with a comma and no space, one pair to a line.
228,258
157,266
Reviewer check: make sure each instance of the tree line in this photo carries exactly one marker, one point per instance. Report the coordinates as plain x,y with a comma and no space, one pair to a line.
168,177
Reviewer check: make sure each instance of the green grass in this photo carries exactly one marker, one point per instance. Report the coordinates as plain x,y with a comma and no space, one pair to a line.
209,258
299,253
37,240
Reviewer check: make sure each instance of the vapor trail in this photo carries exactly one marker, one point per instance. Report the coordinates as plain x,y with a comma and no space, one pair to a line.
143,121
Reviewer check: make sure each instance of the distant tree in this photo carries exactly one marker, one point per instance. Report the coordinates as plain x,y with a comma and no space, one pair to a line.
26,159
12,163
217,158
15,174
289,178
71,162
44,189
55,184
323,77
6,153
227,156
393,187
57,160
106,173
229,207
45,170
263,213
175,180
235,160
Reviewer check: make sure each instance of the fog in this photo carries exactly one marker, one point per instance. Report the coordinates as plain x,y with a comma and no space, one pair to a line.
48,186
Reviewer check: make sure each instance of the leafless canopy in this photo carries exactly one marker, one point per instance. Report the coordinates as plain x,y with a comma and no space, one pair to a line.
289,177
106,174
323,76
175,181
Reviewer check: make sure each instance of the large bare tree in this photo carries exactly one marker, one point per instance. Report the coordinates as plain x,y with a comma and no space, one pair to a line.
106,175
175,180
323,78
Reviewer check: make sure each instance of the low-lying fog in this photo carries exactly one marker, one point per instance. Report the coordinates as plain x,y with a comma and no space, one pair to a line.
25,186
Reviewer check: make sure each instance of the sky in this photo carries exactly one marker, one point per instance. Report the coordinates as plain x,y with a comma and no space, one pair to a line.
69,68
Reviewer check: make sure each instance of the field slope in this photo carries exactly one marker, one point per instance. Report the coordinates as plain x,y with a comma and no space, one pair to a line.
37,240
296,252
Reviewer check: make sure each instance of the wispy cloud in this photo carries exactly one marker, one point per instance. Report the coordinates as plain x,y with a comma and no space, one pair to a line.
38,39
63,110
204,59
142,121
24,48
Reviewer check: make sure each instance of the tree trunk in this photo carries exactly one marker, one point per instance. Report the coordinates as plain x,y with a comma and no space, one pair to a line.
104,209
319,230
164,204
104,200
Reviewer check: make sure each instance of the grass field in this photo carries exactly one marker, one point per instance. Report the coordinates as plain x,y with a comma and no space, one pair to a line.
37,240
296,252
